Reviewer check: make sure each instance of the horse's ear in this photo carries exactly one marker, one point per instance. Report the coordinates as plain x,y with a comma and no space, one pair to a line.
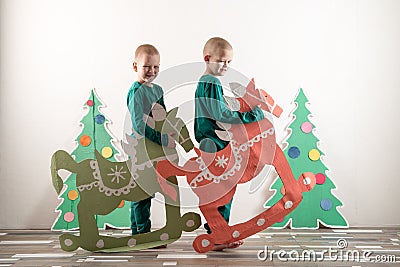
237,89
173,113
158,112
251,87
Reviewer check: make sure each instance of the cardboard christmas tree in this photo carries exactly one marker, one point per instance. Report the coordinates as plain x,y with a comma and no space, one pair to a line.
303,153
94,136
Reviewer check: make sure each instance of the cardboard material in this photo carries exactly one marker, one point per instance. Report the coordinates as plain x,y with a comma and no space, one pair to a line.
303,154
103,185
95,135
213,177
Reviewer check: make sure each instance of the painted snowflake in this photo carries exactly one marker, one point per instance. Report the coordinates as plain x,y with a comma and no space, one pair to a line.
221,161
117,174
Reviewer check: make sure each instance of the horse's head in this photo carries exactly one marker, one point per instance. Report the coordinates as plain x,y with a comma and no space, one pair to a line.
170,123
256,139
249,97
140,150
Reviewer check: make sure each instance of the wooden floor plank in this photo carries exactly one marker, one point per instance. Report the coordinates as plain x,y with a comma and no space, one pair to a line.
41,248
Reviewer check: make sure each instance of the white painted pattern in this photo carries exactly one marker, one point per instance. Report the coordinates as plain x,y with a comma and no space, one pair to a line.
181,256
44,255
25,242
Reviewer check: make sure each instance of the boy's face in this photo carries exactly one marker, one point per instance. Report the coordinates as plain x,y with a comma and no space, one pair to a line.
147,67
218,62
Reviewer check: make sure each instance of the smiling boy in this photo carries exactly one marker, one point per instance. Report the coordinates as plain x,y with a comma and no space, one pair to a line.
142,95
210,108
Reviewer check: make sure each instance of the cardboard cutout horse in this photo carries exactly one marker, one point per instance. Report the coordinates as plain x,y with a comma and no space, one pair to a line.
102,185
214,176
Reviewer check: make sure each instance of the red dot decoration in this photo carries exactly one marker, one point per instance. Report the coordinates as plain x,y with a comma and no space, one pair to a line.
320,178
89,103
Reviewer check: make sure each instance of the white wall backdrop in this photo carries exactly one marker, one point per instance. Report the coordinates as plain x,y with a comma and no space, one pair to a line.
344,54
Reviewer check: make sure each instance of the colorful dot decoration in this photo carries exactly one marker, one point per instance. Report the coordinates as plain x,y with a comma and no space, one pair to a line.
106,152
69,217
99,119
326,204
121,204
89,103
85,140
306,127
73,194
314,154
294,152
320,178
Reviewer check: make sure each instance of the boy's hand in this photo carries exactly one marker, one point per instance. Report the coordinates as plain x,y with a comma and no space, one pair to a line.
171,140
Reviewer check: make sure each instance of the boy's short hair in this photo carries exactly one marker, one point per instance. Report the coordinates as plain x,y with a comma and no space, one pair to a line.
214,43
146,49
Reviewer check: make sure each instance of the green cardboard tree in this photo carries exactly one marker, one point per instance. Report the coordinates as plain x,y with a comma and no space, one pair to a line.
94,135
303,154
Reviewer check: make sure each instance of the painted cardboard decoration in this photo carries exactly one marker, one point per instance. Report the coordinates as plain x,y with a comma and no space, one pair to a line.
303,153
95,135
103,185
213,177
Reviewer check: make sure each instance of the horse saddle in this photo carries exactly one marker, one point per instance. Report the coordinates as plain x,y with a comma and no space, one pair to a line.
216,163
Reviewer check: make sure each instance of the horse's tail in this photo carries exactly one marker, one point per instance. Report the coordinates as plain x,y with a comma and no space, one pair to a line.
165,169
61,160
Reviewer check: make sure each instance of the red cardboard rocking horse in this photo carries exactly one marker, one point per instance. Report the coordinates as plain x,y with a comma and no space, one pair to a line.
214,176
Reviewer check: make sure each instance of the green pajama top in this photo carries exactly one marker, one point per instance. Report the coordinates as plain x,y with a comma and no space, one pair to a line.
140,101
210,108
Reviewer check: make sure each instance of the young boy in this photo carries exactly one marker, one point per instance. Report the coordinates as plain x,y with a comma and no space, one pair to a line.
210,108
141,96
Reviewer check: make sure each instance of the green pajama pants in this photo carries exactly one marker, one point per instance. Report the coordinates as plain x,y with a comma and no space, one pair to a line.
225,211
140,216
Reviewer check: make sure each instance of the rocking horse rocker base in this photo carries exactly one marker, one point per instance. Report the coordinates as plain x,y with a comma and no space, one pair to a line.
222,233
164,236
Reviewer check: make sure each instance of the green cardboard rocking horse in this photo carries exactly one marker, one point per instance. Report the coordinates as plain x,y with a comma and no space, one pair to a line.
103,184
